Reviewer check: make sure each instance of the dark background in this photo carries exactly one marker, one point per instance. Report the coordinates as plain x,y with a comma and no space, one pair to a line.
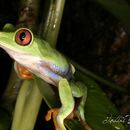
89,35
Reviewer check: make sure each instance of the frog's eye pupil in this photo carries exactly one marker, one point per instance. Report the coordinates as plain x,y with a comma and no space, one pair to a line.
23,37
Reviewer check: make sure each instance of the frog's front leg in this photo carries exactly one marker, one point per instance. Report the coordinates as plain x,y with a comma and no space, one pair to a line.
67,102
22,72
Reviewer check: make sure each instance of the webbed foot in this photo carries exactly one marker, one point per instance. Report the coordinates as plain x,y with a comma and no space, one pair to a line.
53,113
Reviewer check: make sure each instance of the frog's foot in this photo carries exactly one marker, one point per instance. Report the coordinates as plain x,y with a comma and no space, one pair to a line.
23,72
53,113
82,122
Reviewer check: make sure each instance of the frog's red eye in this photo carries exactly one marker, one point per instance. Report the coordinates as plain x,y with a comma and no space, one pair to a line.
23,37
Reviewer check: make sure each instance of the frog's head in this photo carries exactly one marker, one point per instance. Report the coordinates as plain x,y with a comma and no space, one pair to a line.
17,43
21,46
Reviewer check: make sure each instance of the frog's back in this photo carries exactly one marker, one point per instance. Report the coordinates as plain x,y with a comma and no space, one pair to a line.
56,61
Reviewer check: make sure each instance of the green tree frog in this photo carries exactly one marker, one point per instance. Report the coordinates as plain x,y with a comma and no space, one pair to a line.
38,57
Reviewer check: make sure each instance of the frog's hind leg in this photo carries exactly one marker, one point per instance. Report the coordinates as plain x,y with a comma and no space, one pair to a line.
67,102
83,100
79,90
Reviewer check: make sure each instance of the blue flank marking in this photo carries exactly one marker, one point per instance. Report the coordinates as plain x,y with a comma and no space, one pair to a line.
54,76
58,70
54,72
49,73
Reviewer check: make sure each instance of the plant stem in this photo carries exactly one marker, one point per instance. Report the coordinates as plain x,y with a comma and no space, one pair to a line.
28,14
10,94
31,111
24,119
99,79
49,28
26,111
20,105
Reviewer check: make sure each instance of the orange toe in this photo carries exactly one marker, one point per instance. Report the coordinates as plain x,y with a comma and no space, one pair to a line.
23,72
53,113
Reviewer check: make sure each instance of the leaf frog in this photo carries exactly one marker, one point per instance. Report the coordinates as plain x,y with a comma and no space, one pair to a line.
36,56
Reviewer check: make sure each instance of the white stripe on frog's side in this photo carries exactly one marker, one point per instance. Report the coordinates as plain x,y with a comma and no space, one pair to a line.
30,62
33,64
58,70
48,74
48,71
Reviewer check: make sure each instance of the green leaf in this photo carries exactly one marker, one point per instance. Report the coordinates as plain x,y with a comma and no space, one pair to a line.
48,93
98,107
119,8
74,125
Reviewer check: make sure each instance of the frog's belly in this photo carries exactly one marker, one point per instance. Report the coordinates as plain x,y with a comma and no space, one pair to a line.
33,64
38,67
